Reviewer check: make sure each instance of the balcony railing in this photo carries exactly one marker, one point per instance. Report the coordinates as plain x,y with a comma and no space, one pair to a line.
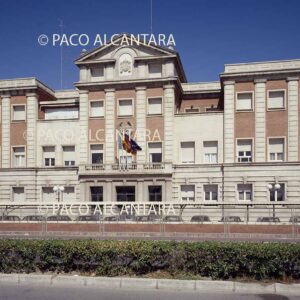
94,167
156,166
134,167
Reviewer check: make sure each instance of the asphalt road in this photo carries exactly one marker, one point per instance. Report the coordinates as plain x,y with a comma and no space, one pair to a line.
9,291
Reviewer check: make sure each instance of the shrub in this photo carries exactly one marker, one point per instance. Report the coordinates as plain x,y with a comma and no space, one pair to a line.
217,260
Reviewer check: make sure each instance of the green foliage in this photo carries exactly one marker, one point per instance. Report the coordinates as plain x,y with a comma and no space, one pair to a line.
217,260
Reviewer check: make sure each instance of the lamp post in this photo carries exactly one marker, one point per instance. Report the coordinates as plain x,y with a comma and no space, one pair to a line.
276,187
58,189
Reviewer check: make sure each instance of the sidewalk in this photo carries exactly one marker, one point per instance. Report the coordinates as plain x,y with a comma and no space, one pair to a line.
151,284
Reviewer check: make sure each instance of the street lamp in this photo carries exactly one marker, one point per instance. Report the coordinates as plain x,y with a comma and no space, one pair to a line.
276,187
58,189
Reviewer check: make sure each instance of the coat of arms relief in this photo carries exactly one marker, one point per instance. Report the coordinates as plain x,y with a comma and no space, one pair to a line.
125,65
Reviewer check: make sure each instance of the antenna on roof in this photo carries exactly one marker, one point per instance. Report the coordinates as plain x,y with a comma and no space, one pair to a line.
151,17
61,25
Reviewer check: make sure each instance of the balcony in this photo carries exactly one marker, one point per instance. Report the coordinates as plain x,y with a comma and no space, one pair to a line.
132,168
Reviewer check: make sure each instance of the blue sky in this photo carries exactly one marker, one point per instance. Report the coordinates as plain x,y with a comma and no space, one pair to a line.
208,33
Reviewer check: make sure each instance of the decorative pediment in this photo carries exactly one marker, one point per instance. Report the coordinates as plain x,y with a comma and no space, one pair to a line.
126,58
108,51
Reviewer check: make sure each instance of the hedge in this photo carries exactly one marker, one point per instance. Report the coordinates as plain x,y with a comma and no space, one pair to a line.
217,260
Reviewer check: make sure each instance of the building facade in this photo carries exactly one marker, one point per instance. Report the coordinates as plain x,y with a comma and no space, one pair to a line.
231,141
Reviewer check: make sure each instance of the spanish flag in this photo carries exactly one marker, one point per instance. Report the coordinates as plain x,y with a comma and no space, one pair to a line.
130,145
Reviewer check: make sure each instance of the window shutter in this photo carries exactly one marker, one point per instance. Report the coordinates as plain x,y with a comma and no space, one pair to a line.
18,194
19,113
125,108
61,113
69,193
155,70
97,109
244,145
155,106
97,73
210,147
188,152
187,191
154,148
49,152
276,145
244,101
276,99
48,194
69,153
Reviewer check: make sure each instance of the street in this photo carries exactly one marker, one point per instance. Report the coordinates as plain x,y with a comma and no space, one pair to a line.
29,291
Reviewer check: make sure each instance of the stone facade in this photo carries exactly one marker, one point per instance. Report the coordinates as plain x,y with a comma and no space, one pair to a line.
196,142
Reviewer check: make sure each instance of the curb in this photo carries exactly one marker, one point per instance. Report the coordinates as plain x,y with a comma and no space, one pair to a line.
151,284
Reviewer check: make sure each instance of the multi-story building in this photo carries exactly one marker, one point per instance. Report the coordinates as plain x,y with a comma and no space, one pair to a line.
231,141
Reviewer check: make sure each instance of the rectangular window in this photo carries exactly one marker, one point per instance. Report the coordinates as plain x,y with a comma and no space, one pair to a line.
244,101
276,99
69,194
244,150
61,113
211,192
155,193
155,152
244,192
48,194
187,192
97,154
19,157
125,107
96,193
187,152
97,73
125,193
276,149
18,194
96,109
49,156
155,106
19,113
155,70
277,192
69,156
210,152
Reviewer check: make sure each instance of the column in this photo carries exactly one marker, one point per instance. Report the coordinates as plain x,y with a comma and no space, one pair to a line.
169,103
167,191
32,116
260,120
5,131
141,123
140,191
108,195
110,135
293,110
83,197
229,154
84,127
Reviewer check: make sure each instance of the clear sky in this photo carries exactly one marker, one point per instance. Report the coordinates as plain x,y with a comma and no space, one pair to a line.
208,33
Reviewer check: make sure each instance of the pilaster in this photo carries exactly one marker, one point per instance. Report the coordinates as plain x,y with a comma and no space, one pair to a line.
293,115
6,116
229,155
110,135
260,120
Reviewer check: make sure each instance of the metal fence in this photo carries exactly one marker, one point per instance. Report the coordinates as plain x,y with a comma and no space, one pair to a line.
186,220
